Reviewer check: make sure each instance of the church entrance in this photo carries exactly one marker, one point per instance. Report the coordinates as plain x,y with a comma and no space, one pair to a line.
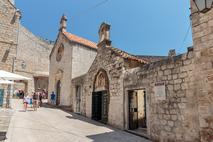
100,106
100,98
58,92
137,110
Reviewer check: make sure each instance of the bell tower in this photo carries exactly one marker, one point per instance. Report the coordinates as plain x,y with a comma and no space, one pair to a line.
104,35
63,24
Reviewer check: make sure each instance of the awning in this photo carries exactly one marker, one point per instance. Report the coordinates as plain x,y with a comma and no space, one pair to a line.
6,82
4,75
41,74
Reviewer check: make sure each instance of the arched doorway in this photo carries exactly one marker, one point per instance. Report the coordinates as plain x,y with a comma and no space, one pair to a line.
58,92
100,97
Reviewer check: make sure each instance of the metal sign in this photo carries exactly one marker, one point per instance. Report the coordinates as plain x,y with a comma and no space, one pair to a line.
160,91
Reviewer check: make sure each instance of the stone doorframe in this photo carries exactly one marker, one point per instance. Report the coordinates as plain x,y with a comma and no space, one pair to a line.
126,107
58,92
100,84
58,79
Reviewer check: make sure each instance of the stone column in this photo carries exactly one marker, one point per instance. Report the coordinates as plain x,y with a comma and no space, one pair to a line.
202,29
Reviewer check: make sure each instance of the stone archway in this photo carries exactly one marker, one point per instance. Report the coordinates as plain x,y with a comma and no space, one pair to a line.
100,97
58,78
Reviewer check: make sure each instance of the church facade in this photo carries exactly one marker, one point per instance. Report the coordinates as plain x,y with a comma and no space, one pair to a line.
70,57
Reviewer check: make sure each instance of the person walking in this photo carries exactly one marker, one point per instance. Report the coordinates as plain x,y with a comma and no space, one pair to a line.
31,101
26,101
53,98
40,99
35,101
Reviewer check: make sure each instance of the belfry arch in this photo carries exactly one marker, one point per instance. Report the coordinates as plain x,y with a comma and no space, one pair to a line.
100,97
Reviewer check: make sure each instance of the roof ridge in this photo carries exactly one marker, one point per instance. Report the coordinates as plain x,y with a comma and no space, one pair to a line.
12,4
80,40
127,55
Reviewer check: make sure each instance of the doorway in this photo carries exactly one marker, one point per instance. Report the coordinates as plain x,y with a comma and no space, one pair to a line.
100,106
78,99
58,92
137,110
100,97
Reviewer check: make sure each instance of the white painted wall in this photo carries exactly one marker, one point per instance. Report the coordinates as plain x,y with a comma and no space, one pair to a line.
75,62
82,59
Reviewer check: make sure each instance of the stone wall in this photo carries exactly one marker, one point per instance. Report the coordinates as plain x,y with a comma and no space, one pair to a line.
9,24
32,59
83,57
173,119
78,81
202,28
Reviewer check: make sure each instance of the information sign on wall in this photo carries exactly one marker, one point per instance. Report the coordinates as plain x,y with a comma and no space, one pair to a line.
160,91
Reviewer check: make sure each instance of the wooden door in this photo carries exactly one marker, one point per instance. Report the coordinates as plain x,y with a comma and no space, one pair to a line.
143,124
58,92
104,106
133,110
96,106
78,99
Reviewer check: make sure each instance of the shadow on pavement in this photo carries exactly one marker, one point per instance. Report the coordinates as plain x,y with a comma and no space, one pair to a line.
85,119
2,136
115,135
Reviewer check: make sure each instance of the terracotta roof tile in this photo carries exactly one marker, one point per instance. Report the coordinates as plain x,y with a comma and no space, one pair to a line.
128,56
80,40
145,59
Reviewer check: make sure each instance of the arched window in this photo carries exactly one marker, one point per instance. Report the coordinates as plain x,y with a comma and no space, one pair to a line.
60,53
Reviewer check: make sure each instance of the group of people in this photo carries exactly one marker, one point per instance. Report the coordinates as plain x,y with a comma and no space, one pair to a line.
34,100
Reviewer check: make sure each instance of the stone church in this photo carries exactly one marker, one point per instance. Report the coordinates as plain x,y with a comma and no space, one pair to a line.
70,57
22,52
161,98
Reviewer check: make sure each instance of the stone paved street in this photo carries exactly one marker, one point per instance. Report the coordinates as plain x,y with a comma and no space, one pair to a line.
54,125
5,115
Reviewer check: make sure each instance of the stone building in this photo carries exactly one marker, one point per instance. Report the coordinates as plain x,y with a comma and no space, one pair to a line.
102,88
9,24
21,51
32,60
168,99
70,57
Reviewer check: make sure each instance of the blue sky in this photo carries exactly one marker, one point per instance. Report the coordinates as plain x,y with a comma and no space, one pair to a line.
142,27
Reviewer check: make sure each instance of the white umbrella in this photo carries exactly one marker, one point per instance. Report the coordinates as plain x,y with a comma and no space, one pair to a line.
6,82
11,76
